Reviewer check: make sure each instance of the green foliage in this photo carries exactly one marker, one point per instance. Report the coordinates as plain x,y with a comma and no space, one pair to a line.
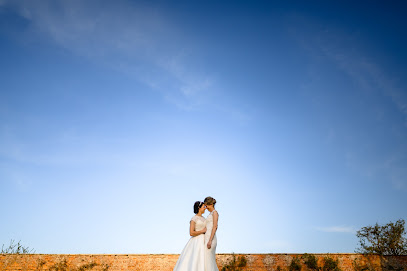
87,266
63,266
60,266
390,267
310,261
383,240
16,249
295,264
235,264
357,266
384,265
330,264
40,264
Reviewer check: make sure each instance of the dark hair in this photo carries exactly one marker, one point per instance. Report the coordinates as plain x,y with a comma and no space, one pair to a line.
210,201
197,205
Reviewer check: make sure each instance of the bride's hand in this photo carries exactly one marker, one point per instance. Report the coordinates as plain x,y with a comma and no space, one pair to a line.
204,230
209,245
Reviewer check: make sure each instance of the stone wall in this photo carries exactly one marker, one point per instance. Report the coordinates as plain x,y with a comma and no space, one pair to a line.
166,262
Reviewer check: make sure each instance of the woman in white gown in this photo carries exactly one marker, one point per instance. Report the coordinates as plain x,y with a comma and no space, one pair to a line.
210,235
192,257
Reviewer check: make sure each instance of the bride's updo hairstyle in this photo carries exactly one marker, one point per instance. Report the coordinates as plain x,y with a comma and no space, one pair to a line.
210,201
197,205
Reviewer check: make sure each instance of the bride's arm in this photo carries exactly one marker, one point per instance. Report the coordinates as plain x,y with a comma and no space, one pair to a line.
215,227
192,230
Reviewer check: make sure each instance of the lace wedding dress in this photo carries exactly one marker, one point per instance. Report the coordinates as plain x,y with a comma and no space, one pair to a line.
210,254
192,257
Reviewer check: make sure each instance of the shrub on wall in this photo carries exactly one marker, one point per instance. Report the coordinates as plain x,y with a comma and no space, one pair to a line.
330,264
359,266
16,249
310,262
235,264
60,266
295,265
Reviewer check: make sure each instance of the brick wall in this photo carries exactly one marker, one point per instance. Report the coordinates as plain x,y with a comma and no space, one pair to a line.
166,262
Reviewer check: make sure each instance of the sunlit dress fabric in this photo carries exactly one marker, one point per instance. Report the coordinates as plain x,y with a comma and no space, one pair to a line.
210,254
192,257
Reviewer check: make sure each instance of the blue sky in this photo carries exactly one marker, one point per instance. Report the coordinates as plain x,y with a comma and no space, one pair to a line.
116,116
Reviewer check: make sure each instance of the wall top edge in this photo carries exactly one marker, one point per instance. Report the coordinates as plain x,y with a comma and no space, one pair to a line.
163,254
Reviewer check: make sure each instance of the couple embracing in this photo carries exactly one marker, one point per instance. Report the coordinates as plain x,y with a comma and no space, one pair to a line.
200,251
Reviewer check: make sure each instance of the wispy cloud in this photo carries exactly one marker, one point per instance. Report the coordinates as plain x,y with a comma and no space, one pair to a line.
374,80
131,37
383,89
369,75
339,229
346,51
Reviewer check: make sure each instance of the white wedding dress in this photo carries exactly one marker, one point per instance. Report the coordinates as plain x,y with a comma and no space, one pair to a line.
192,257
210,254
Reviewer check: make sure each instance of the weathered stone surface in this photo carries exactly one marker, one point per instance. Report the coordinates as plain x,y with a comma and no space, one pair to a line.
166,262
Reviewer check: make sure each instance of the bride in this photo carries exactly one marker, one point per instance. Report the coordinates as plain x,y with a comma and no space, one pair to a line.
192,257
210,235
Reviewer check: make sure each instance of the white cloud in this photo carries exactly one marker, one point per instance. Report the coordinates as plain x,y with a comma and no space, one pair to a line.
339,229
